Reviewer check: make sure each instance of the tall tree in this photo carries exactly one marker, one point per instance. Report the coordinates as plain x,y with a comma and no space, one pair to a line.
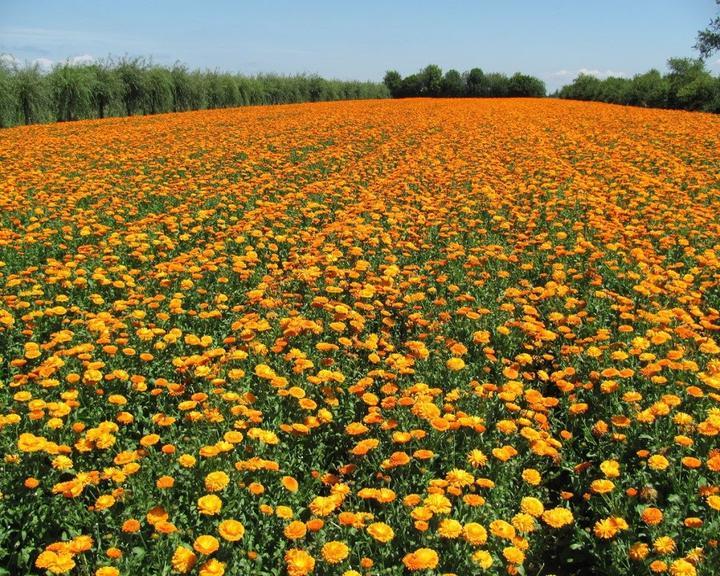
104,88
431,77
708,40
6,96
476,83
452,85
131,75
70,88
30,93
393,80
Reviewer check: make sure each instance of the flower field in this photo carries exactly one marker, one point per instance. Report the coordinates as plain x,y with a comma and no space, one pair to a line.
362,338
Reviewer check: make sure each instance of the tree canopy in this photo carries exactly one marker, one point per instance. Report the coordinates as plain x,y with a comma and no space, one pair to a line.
431,82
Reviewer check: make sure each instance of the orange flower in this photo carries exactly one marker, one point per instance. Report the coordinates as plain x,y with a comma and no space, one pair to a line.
335,552
381,532
183,560
206,544
299,562
421,559
231,530
652,516
209,505
295,530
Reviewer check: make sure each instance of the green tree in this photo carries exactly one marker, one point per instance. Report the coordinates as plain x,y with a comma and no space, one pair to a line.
130,73
522,85
688,83
158,90
708,40
29,89
649,90
70,90
583,87
615,90
452,85
7,100
104,88
476,83
498,85
393,81
431,80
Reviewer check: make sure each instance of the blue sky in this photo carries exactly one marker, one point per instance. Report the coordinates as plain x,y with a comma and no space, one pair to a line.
552,39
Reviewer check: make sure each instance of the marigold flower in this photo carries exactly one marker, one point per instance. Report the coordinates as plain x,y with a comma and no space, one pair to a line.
299,562
421,559
231,530
206,544
335,552
381,532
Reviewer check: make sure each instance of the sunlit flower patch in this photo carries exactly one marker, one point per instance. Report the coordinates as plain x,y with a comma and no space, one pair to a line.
427,337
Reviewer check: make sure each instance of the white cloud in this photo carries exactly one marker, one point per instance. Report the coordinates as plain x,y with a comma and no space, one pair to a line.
9,60
82,59
44,63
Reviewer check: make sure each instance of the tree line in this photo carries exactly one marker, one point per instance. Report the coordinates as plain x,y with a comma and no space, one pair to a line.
431,82
129,86
687,86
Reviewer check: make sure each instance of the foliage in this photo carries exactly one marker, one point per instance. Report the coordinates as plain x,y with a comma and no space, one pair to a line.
708,40
430,82
687,86
131,86
30,98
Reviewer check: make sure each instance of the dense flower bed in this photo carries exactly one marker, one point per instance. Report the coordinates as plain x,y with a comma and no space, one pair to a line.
362,338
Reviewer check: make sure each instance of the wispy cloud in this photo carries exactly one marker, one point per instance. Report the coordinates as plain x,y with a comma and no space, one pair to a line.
45,63
42,35
82,59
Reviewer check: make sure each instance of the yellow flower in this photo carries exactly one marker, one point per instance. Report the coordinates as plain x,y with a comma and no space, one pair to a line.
531,476
475,533
638,551
299,562
449,528
558,517
682,567
206,544
209,505
658,462
421,559
30,443
611,468
513,555
56,563
335,552
295,530
602,486
438,504
381,532
502,529
532,506
664,545
216,481
212,568
483,558
231,530
714,501
455,364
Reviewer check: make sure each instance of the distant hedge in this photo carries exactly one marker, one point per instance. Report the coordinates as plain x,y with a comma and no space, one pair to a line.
687,86
129,86
431,82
